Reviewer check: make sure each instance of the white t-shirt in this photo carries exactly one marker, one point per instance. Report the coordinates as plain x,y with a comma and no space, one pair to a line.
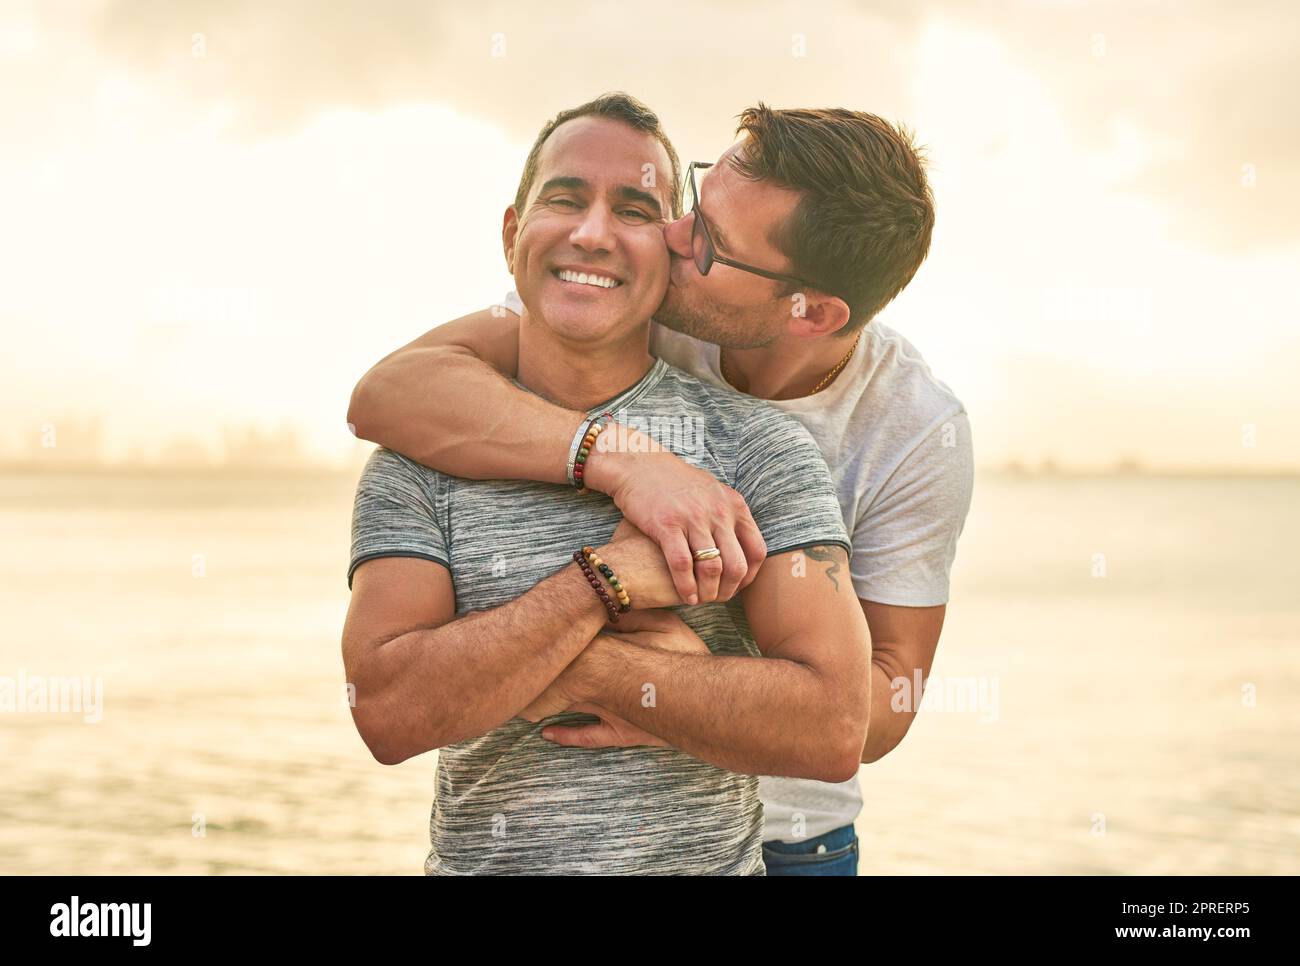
898,445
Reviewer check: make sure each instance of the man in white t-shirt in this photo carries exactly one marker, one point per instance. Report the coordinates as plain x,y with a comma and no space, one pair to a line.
793,242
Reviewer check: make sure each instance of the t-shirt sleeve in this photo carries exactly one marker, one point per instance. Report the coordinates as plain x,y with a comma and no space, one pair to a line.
905,542
782,476
395,513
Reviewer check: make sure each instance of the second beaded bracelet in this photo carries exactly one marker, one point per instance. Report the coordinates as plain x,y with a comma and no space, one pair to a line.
581,560
625,602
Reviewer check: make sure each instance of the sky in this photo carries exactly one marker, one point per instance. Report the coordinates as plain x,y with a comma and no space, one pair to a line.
219,214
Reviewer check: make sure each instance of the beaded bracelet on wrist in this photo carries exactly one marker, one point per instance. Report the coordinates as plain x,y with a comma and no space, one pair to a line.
581,560
584,450
625,602
594,428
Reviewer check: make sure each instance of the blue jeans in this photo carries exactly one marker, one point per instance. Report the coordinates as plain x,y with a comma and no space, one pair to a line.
838,855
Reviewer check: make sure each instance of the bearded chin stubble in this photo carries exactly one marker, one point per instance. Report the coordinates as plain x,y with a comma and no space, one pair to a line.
712,321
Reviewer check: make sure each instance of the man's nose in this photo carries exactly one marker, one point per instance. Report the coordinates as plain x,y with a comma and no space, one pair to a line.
595,231
677,235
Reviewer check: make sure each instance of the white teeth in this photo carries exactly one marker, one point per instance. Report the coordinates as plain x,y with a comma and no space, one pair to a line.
582,278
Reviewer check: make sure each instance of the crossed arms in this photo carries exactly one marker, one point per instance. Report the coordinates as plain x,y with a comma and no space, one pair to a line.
424,679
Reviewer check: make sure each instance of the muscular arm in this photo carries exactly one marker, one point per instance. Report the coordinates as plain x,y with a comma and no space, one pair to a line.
424,680
903,640
446,400
800,710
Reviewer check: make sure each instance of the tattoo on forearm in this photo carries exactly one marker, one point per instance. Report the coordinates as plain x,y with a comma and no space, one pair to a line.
826,555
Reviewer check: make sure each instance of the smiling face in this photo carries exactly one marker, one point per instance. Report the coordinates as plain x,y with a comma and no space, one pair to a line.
731,307
587,252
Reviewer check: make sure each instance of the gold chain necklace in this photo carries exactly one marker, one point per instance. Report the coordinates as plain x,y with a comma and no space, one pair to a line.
817,388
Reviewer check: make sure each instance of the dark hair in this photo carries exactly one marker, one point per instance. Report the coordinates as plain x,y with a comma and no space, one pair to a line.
619,107
862,227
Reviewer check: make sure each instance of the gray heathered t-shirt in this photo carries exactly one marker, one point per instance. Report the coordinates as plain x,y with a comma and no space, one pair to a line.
511,802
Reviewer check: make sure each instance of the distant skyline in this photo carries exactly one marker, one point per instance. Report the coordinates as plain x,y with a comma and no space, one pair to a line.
78,447
220,215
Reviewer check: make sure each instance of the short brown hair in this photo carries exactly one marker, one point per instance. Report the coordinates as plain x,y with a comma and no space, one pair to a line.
863,225
619,107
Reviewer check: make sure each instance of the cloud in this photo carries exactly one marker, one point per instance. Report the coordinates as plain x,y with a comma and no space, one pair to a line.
1208,87
514,64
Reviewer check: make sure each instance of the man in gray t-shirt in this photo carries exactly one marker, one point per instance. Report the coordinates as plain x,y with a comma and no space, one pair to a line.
470,624
558,809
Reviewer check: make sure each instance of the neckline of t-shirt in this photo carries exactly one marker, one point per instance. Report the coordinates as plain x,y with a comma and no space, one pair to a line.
634,391
625,396
827,398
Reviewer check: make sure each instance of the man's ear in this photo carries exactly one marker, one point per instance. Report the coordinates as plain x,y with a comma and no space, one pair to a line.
510,229
821,314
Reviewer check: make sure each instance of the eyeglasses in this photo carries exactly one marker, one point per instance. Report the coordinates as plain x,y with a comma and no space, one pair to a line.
702,240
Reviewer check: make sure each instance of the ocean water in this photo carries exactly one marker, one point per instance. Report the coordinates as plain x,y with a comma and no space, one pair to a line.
1117,689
